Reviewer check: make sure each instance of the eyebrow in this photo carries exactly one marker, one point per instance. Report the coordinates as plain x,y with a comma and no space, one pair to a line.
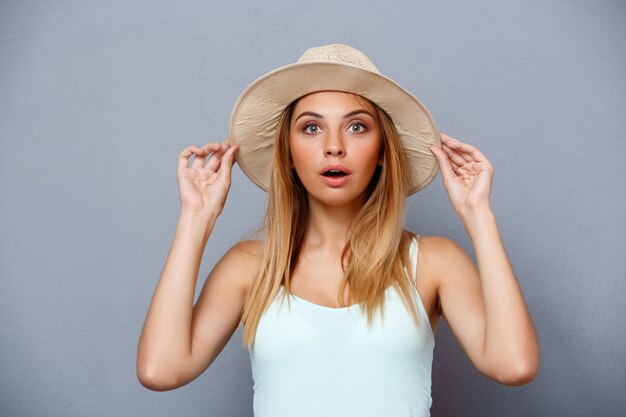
319,116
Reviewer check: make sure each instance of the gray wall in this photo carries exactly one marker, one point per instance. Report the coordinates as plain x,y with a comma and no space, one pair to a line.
98,99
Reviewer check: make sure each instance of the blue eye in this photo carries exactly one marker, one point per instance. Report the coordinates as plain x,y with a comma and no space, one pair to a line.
310,125
357,124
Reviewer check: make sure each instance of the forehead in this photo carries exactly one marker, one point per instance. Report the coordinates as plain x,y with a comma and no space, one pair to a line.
342,98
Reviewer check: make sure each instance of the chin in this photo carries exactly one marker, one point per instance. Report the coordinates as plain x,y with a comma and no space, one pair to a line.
337,197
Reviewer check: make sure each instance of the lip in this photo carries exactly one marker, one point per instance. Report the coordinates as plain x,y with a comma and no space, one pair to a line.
337,168
336,181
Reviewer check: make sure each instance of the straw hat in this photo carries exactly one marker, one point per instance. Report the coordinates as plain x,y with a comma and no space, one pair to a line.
256,113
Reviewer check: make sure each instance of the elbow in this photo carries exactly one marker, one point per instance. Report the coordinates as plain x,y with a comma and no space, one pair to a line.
520,373
154,380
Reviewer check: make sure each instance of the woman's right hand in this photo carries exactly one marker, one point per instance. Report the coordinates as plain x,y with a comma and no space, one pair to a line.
203,188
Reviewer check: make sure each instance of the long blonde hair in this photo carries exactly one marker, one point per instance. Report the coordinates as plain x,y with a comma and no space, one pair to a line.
376,251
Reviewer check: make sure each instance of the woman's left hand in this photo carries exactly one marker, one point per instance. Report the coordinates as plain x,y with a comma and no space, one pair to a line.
467,174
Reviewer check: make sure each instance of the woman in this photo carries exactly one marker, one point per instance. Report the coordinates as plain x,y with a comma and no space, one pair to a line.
339,147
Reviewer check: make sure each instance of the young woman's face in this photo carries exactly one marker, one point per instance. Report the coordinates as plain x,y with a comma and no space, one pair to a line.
335,144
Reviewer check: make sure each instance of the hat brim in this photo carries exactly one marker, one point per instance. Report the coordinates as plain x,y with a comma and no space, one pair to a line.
256,114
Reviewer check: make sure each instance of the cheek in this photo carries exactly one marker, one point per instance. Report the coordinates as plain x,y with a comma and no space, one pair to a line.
370,154
298,156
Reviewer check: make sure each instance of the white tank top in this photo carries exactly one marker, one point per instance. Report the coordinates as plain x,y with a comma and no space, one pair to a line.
318,361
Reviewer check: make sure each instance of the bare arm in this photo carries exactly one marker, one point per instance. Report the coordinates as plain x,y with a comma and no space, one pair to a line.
165,341
165,355
484,307
510,348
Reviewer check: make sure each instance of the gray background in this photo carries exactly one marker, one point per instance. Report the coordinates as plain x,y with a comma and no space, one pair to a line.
98,99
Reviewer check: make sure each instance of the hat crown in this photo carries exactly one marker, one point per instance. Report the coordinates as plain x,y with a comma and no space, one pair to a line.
338,54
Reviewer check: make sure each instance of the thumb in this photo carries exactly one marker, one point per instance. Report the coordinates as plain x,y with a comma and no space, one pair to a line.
444,163
227,162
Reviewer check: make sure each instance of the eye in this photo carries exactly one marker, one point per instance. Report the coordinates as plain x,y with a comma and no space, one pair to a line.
357,131
311,125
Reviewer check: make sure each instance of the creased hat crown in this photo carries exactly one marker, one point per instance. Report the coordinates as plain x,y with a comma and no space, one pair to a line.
338,54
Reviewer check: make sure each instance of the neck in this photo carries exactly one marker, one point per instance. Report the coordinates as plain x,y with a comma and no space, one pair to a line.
328,225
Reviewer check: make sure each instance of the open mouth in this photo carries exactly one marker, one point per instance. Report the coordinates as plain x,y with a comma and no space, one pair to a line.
334,173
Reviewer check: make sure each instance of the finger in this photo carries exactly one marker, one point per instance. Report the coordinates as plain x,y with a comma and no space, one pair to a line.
447,172
454,147
454,156
214,162
227,163
199,158
468,150
454,143
447,138
211,148
183,157
455,167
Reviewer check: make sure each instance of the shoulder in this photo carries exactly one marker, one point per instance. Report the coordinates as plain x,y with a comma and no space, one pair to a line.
246,254
247,250
244,258
447,264
437,248
440,254
434,255
442,259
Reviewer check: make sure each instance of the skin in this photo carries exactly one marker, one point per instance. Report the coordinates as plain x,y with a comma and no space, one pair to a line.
316,142
482,305
332,138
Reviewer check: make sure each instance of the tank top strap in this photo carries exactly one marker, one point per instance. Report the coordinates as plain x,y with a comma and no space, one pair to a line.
413,255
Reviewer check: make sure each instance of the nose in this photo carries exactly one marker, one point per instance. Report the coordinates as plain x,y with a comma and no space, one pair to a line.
334,151
334,146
